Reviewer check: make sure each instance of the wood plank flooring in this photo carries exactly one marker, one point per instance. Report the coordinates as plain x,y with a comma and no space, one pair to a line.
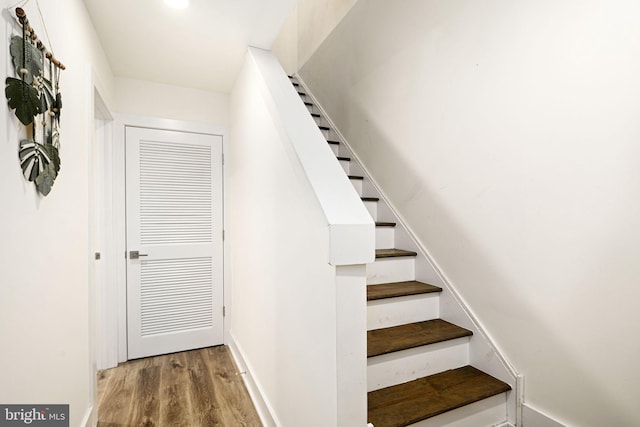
198,388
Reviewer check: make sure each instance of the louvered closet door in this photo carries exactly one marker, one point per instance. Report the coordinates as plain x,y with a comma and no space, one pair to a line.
174,221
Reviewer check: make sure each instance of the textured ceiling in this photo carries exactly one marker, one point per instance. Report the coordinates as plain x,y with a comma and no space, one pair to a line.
201,47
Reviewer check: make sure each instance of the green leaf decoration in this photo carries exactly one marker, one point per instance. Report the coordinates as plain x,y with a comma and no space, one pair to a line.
54,156
36,100
33,158
23,98
49,173
45,180
32,59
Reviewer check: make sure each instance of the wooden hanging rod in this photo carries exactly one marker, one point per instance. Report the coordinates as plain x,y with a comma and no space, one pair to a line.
24,22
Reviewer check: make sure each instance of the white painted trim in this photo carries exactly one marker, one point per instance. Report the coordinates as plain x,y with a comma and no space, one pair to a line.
89,419
91,208
517,378
264,409
107,338
119,229
170,124
119,239
351,229
107,293
226,244
535,418
97,329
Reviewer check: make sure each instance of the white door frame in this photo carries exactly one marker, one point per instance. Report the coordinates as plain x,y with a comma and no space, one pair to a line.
98,145
119,219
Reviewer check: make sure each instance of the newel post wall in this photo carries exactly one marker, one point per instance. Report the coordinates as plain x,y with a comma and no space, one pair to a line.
300,239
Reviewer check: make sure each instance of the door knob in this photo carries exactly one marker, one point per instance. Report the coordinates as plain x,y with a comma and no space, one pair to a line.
136,254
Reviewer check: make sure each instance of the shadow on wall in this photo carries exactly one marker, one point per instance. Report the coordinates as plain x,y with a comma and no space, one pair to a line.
489,128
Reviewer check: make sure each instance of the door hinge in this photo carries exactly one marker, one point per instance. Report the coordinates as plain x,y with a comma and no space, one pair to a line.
224,311
223,235
223,159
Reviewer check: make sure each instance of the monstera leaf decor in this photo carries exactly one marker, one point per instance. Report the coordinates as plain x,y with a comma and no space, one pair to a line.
37,103
26,56
24,98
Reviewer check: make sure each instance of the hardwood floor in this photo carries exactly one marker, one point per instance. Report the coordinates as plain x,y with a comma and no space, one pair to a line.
198,388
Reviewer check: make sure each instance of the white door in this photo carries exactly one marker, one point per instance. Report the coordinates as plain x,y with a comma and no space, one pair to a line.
174,241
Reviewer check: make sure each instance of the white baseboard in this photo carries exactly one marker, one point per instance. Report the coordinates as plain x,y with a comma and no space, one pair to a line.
89,420
265,411
535,418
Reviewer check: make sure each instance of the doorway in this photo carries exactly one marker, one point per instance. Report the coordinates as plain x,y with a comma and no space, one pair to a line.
174,241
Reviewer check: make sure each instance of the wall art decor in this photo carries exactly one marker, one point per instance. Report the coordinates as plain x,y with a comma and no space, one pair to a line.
35,97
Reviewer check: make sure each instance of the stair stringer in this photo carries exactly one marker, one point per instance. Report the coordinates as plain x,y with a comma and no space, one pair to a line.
483,351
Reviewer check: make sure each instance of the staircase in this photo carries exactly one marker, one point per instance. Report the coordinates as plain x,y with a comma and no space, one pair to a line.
418,370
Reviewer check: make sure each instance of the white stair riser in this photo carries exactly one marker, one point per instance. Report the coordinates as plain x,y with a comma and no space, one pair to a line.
385,237
372,207
357,184
407,365
389,312
310,108
387,270
335,148
318,120
345,165
326,133
485,413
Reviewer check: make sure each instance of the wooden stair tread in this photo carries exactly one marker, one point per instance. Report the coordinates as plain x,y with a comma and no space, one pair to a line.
302,93
310,104
414,401
356,177
385,224
396,338
391,253
324,127
370,199
399,289
315,115
333,142
346,159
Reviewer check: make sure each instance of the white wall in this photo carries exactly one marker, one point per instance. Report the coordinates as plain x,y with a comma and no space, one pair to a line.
148,99
278,284
44,254
506,134
300,239
285,47
310,22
